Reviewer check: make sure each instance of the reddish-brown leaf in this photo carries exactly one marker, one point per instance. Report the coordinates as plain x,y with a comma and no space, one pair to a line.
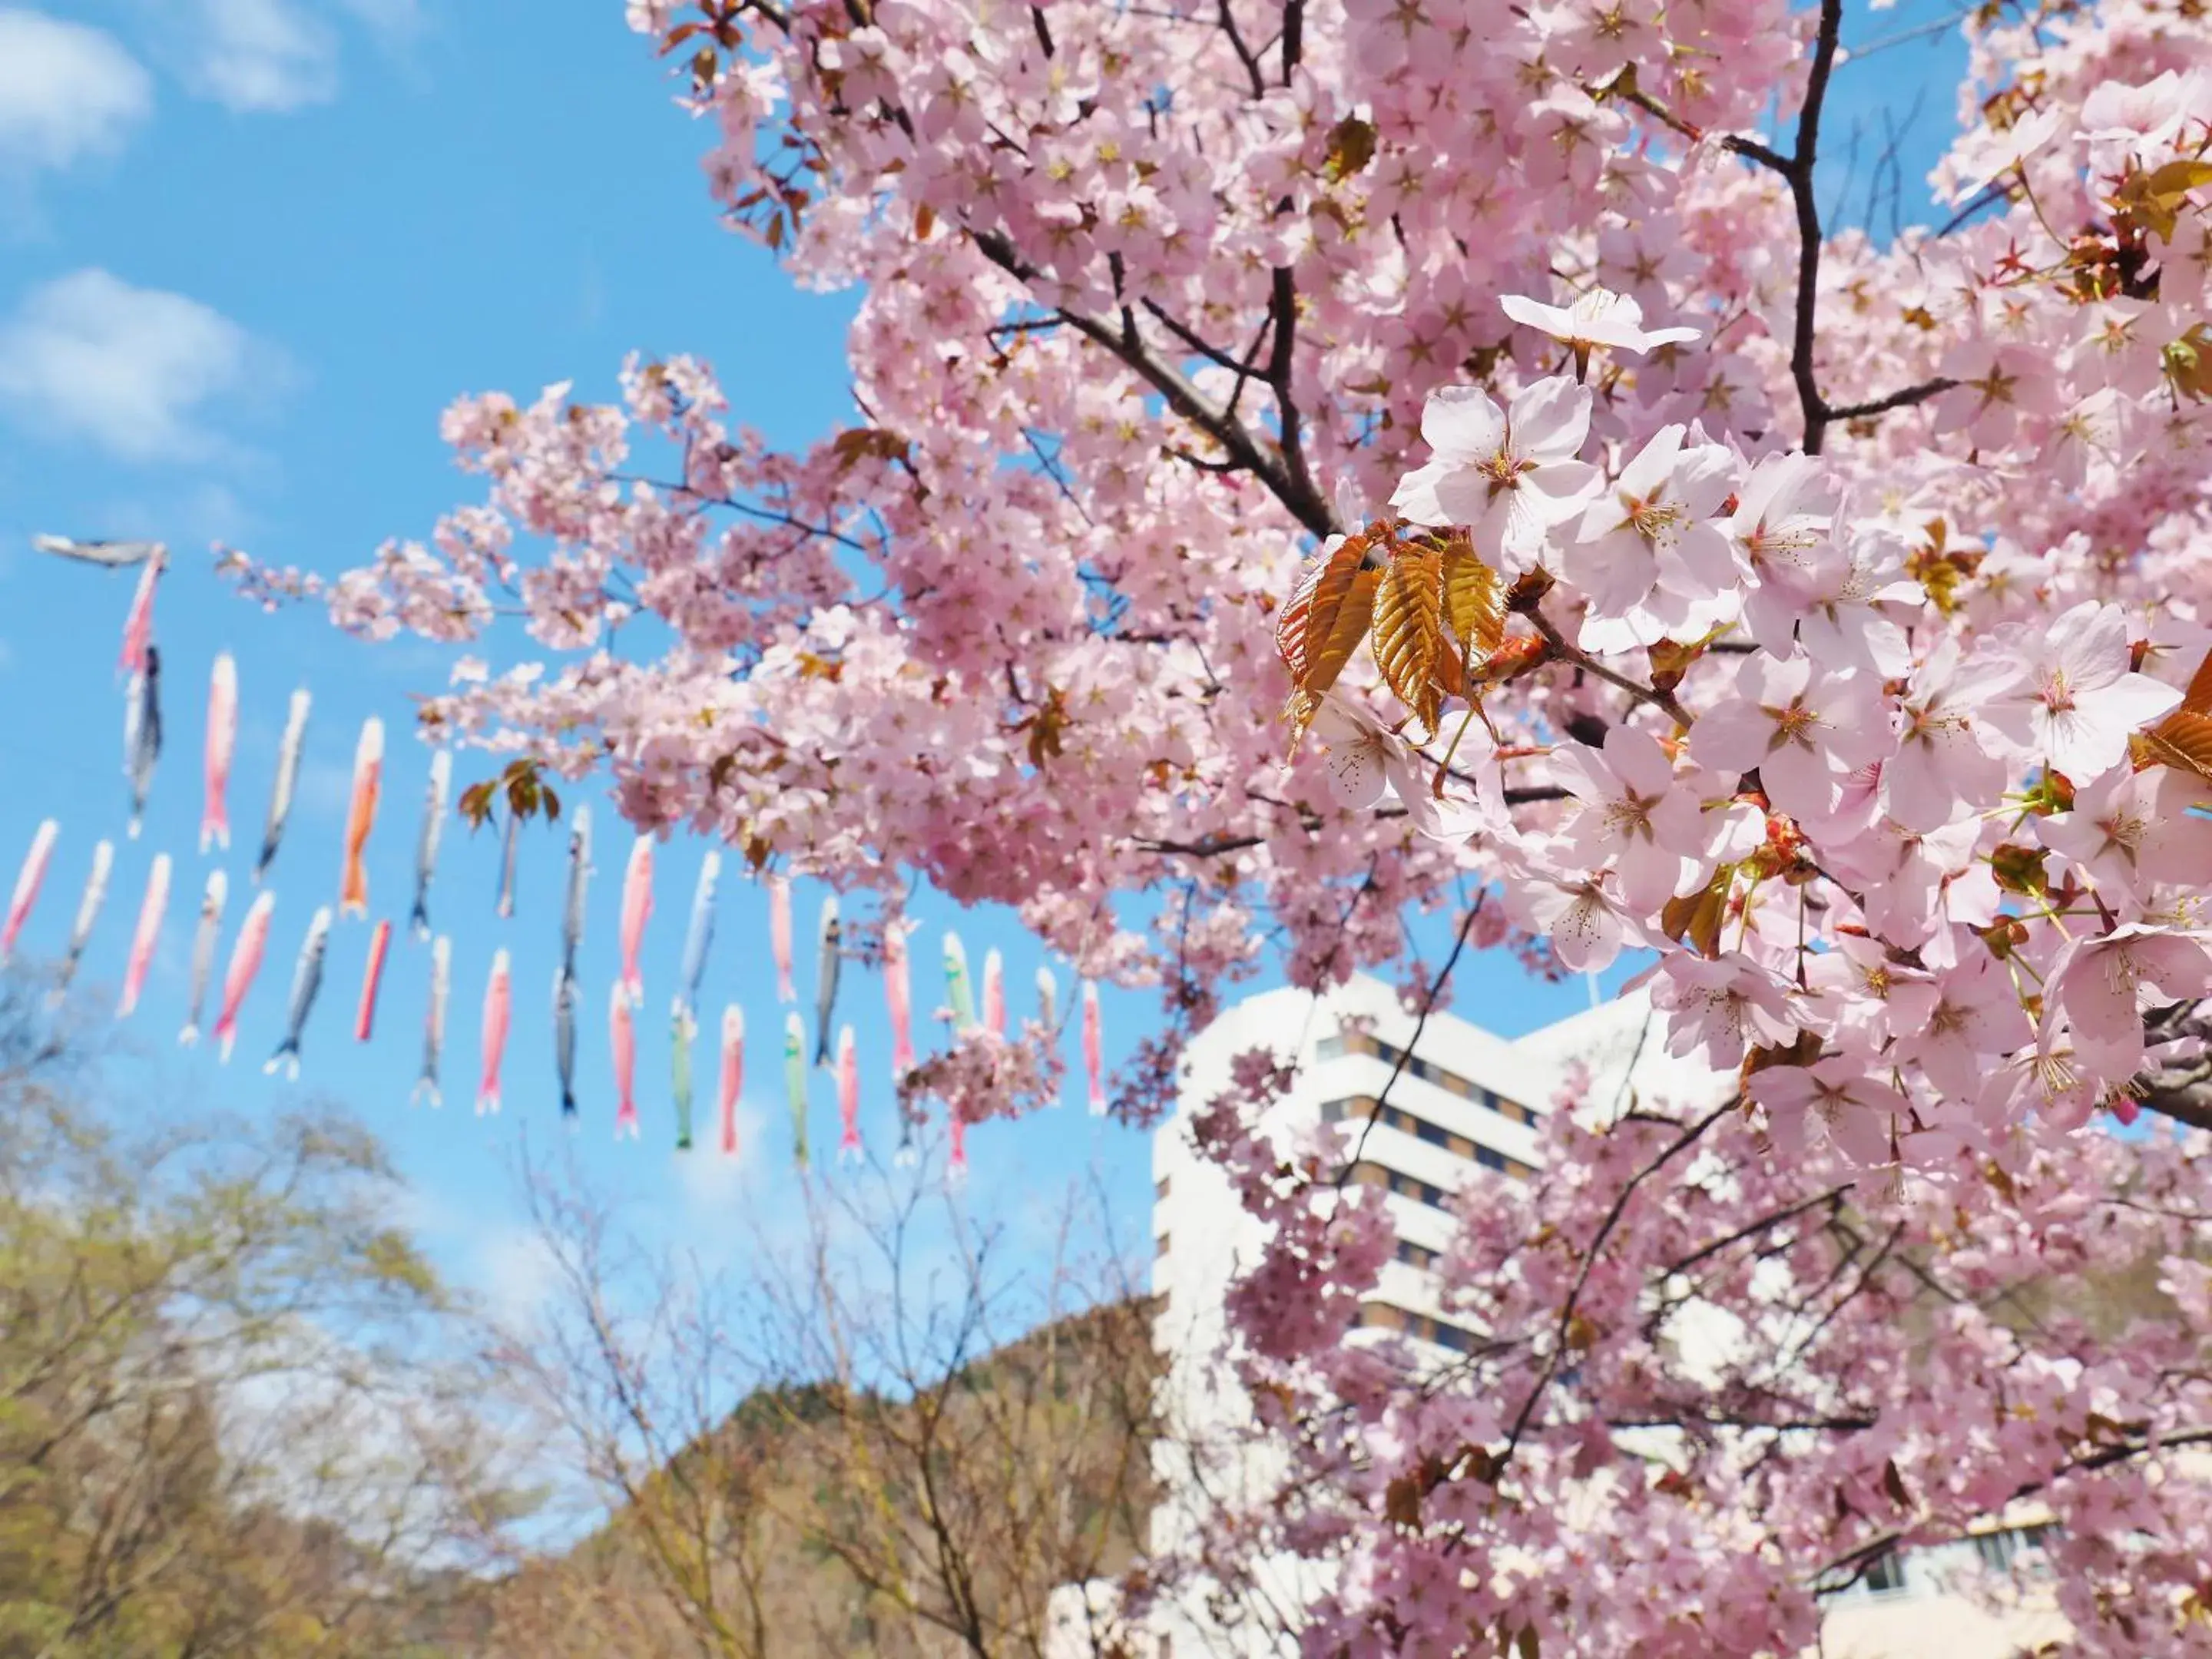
1474,600
2182,740
1308,619
1409,631
2197,699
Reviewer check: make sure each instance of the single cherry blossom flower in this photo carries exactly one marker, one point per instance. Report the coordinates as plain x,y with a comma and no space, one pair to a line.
1511,474
1636,811
1596,317
1780,534
2101,986
1724,1008
1656,529
1578,914
2128,832
2077,701
1997,384
1804,729
1942,767
1869,995
1852,619
1367,761
1977,1015
1860,1112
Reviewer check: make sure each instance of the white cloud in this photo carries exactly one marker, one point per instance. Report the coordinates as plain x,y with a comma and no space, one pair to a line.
259,56
272,57
67,92
519,1273
131,369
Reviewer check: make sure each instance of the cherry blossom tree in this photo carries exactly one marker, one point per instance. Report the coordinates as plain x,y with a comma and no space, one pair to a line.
1481,385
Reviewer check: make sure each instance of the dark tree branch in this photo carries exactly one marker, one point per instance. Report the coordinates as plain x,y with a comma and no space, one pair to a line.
1282,470
1663,701
1243,52
1834,1195
1800,175
1905,399
1692,1133
1797,169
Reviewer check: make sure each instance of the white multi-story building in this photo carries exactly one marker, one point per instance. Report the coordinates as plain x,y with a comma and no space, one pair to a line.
1462,1109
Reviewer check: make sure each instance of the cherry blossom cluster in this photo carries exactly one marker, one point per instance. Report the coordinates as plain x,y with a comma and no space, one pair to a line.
1707,1387
1838,648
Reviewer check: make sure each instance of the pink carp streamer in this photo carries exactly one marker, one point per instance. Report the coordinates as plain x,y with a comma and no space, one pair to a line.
955,1167
361,817
222,744
849,1096
146,936
138,624
779,937
1094,1048
733,1074
637,911
622,1043
245,954
498,1005
898,992
28,880
994,993
372,975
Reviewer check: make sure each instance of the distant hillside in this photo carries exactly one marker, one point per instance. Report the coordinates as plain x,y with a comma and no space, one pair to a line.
818,1523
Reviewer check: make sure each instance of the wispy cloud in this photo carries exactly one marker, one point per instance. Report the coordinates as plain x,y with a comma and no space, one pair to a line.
68,93
132,369
272,57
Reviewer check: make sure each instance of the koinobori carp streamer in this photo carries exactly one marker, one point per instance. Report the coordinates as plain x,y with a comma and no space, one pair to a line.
146,935
289,748
779,937
733,1074
204,943
87,913
306,983
434,1021
498,1004
222,746
425,844
28,879
245,954
371,977
361,817
828,964
621,1047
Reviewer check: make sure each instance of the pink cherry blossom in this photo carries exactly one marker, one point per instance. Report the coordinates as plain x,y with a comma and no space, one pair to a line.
1510,475
1804,729
2101,985
1596,317
2077,701
1636,815
1839,624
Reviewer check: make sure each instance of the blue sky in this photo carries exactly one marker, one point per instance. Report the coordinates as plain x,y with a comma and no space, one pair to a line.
254,247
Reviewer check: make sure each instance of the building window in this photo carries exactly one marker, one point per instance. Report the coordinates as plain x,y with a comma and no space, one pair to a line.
1451,1336
1329,1047
1415,1256
1160,1245
1160,1188
1886,1576
1489,1159
1999,1550
1381,1316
